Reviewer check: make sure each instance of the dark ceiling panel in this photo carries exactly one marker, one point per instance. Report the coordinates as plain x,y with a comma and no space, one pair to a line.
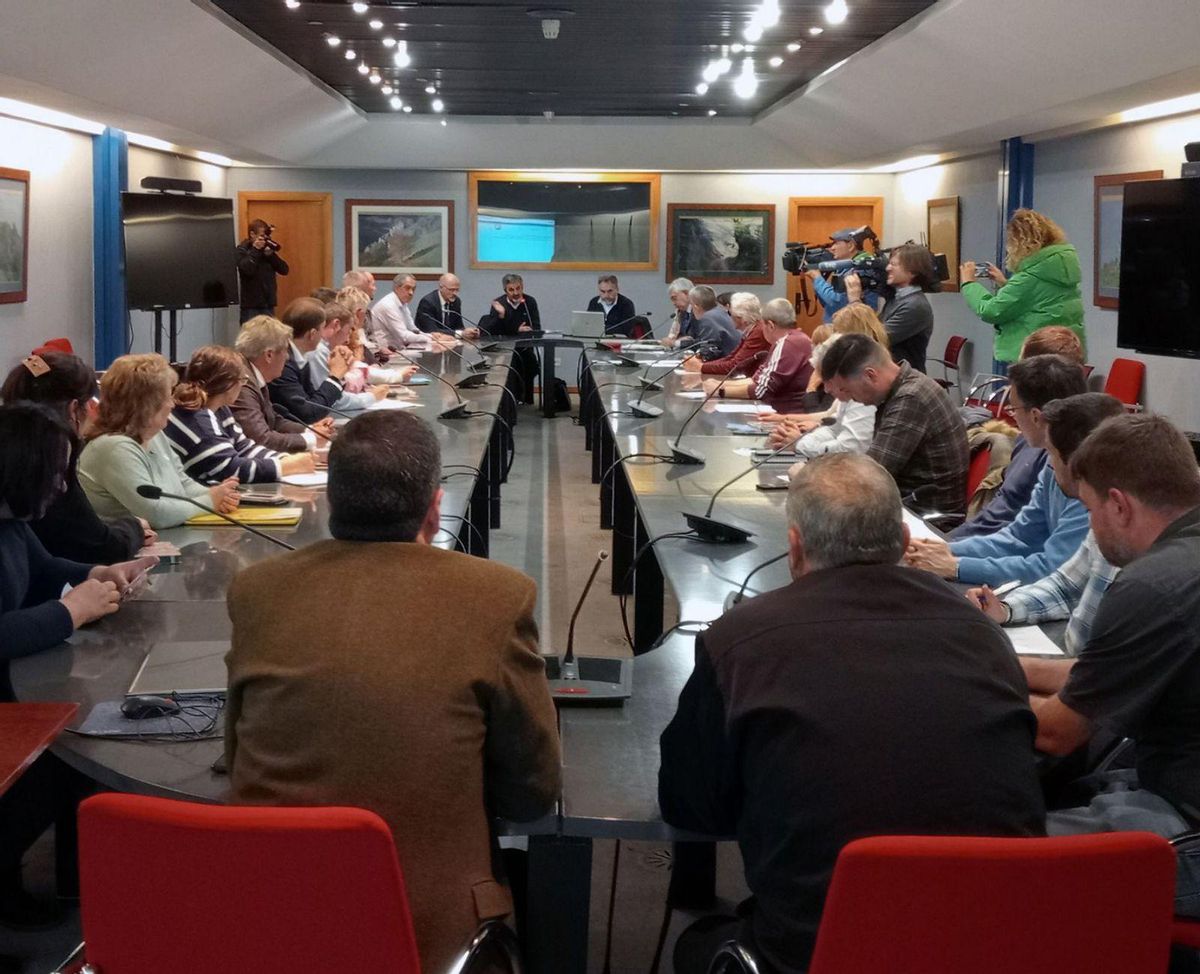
612,57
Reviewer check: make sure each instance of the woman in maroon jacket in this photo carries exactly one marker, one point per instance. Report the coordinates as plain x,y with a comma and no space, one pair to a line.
746,313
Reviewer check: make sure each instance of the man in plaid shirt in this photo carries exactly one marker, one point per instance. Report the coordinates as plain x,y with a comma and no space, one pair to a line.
919,437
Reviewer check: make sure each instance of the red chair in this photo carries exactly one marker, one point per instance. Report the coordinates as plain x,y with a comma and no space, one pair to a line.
981,461
190,888
1185,931
948,361
1124,381
55,345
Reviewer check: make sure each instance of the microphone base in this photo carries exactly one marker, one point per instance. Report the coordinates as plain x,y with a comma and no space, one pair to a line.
688,458
714,531
649,385
624,362
473,381
645,410
482,367
458,411
602,681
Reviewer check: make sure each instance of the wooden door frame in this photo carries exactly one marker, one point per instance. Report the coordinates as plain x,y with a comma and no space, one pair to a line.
795,202
245,196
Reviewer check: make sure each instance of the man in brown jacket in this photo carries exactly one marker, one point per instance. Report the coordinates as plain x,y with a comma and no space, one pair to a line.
437,717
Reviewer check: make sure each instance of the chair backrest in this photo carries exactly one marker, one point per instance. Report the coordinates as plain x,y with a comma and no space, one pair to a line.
1124,380
981,461
193,889
55,345
954,349
920,904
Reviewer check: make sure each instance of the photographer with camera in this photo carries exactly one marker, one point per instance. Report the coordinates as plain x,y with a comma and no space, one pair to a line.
1044,288
258,262
846,245
907,316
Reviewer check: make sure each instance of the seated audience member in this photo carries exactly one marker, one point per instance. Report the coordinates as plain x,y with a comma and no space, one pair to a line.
853,422
265,345
1138,675
296,391
514,313
919,438
127,449
1072,591
1048,529
906,313
364,282
441,310
332,351
393,322
323,294
781,381
678,293
863,698
746,314
204,433
710,323
70,528
1027,462
617,308
438,725
361,346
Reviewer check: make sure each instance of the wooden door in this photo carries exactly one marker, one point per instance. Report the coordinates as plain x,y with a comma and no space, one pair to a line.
812,220
304,227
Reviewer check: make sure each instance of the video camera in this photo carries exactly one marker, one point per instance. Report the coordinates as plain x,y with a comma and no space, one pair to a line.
871,268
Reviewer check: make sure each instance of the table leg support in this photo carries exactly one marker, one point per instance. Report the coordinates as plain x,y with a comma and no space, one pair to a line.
560,880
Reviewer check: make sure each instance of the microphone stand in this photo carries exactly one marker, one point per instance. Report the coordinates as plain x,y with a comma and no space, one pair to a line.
649,411
722,532
683,454
459,409
151,492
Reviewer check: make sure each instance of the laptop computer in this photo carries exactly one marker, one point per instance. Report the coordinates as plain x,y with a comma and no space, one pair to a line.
182,668
587,324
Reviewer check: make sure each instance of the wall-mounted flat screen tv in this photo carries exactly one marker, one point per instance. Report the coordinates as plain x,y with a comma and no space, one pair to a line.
180,251
1160,268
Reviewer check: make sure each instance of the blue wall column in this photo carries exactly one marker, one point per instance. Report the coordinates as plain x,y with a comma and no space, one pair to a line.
1016,186
110,176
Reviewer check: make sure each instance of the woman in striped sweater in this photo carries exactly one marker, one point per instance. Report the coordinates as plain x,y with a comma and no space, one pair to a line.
206,437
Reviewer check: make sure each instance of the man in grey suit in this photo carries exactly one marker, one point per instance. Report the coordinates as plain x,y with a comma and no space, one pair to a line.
711,323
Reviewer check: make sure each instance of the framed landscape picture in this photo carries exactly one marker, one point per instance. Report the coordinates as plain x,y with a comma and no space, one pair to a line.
14,236
390,237
942,232
718,243
1106,253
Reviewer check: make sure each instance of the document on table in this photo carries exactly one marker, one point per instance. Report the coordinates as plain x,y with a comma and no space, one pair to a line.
918,528
740,407
673,363
393,404
1031,641
692,394
318,479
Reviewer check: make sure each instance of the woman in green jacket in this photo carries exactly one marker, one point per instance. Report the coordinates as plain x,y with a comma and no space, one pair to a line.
1044,289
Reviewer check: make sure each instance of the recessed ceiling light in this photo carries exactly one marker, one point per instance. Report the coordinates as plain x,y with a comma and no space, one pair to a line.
702,88
359,8
736,48
816,30
769,13
712,72
291,4
837,12
430,90
396,104
375,25
437,105
363,69
407,109
389,42
793,47
753,31
350,54
724,66
332,40
443,123
401,57
387,89
375,78
712,112
746,84
775,62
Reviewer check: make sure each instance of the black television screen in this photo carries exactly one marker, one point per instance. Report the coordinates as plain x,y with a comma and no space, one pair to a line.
1160,268
180,251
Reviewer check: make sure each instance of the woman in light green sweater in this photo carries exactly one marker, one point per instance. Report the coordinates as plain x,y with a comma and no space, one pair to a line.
127,448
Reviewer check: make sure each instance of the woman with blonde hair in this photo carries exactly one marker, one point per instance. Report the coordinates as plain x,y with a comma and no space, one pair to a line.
127,449
207,437
1044,288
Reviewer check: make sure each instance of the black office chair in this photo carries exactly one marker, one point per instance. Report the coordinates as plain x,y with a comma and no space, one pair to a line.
733,958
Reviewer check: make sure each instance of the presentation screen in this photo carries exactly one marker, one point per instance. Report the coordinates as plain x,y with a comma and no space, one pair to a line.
180,251
514,239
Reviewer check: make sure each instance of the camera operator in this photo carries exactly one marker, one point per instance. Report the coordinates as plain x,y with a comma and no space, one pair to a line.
258,263
907,316
845,246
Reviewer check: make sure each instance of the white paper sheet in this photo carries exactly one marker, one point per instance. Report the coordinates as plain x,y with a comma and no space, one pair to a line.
691,394
665,362
918,528
1031,641
740,407
393,404
318,479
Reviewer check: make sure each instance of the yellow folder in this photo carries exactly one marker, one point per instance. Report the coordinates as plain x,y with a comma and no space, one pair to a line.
259,517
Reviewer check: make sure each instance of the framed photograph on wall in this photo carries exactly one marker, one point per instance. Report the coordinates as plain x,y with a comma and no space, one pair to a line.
14,236
562,221
1109,194
390,237
719,243
942,232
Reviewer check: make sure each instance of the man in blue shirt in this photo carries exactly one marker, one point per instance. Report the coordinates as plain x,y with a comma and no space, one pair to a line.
1047,530
845,246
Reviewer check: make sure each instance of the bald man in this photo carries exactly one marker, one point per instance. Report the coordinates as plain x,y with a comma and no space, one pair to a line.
441,310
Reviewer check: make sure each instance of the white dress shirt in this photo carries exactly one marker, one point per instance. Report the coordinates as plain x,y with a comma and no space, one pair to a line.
393,326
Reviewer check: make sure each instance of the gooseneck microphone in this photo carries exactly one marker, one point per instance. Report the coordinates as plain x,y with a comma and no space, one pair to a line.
481,350
647,410
611,329
683,454
153,493
459,409
722,532
570,671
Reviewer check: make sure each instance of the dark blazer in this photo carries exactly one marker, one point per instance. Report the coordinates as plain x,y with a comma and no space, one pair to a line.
526,313
437,725
256,274
429,314
260,420
31,616
72,529
862,700
908,320
616,321
294,393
